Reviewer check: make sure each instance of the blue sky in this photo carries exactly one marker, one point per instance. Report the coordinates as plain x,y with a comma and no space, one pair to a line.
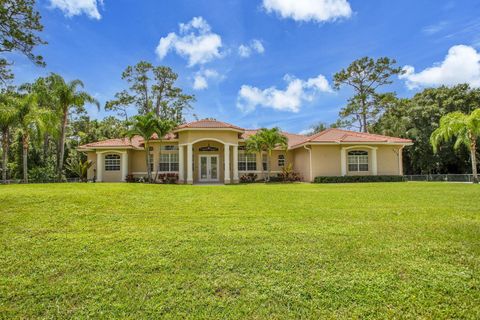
258,63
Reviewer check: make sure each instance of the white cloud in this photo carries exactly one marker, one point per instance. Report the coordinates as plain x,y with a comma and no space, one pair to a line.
200,80
306,131
461,65
435,28
255,45
195,42
291,99
77,7
308,10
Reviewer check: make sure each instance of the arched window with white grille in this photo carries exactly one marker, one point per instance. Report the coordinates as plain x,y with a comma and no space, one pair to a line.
357,161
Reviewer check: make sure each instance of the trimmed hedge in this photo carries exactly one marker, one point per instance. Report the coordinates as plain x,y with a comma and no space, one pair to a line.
354,179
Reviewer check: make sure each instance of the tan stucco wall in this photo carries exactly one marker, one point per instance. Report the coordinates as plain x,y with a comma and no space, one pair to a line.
301,163
92,156
193,136
326,161
388,160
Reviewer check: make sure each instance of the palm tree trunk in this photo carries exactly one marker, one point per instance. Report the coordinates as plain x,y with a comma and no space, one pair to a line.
268,166
473,152
5,148
62,144
25,142
147,157
263,171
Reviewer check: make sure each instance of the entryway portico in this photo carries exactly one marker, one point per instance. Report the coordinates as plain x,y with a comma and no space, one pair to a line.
208,160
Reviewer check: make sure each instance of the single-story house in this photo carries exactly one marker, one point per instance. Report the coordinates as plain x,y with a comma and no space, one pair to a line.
213,151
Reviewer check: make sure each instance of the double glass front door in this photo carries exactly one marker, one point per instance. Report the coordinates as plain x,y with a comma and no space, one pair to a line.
208,168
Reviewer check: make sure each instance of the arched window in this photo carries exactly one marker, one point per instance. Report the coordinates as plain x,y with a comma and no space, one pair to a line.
112,162
358,161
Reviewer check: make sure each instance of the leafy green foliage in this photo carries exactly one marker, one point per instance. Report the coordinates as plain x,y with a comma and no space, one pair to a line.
151,89
365,76
356,179
19,27
79,167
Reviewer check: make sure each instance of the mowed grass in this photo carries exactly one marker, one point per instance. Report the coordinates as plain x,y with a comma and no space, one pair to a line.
401,250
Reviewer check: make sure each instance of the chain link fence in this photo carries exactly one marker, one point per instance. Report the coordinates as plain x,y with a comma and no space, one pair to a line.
440,177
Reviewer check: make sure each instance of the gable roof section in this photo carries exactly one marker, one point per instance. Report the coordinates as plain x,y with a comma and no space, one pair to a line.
293,139
124,143
335,135
208,124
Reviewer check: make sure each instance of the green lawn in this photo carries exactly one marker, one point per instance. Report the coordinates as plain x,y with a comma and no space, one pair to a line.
401,250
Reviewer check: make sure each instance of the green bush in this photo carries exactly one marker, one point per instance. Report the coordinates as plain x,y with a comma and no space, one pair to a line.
354,179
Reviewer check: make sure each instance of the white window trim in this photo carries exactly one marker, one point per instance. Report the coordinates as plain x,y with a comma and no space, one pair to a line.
119,159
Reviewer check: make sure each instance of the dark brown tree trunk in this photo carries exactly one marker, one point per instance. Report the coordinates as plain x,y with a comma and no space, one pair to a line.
25,142
61,146
5,147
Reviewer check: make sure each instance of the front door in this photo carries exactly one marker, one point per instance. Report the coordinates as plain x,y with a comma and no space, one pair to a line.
208,168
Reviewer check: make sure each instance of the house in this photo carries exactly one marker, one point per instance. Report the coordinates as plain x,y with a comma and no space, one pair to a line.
214,151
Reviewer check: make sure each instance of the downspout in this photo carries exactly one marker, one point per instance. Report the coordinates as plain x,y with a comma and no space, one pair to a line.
310,156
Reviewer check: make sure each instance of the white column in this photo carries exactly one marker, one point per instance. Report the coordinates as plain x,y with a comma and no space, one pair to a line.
226,159
374,161
235,164
343,159
189,163
99,167
181,165
124,165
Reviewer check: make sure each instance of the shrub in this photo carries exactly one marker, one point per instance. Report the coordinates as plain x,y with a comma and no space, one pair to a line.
353,179
168,178
248,178
288,174
130,178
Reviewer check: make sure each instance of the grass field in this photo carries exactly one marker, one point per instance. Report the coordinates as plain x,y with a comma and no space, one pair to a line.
403,250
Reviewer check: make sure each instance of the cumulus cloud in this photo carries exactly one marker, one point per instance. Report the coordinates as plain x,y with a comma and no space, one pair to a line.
77,7
309,10
291,99
461,65
201,78
255,46
195,42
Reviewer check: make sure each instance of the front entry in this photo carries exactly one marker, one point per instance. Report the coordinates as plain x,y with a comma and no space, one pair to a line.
208,168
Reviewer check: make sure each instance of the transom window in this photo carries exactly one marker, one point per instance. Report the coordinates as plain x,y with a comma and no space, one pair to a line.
112,162
247,161
168,162
168,147
358,161
281,160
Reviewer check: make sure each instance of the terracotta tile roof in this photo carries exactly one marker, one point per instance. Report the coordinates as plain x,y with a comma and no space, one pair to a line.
122,142
335,135
136,142
208,123
293,139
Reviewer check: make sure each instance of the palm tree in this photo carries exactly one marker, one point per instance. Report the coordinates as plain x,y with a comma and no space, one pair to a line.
67,98
29,124
253,145
8,118
164,127
270,139
466,129
146,126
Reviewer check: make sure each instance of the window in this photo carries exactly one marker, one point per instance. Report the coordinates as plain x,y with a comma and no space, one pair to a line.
358,161
168,162
247,161
264,162
168,148
151,161
112,162
281,160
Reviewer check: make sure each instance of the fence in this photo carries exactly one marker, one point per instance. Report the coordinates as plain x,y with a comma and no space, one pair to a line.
440,177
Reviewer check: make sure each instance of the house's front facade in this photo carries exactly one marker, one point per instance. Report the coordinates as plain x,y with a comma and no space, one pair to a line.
210,151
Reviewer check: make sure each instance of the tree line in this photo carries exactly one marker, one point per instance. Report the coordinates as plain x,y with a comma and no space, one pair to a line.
42,123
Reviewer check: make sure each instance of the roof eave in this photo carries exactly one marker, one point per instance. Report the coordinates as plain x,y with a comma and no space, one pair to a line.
351,142
209,129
